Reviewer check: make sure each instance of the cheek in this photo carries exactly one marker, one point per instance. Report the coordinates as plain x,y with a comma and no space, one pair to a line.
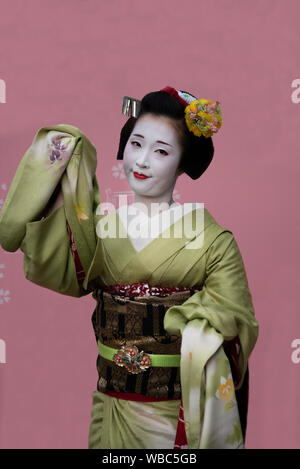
126,157
129,154
166,169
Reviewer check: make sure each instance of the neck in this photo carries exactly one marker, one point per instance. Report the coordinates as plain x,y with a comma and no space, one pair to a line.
161,203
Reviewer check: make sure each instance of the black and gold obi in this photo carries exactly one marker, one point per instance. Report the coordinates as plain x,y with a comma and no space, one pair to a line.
137,321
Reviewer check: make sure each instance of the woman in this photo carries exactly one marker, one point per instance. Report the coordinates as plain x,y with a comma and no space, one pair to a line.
174,321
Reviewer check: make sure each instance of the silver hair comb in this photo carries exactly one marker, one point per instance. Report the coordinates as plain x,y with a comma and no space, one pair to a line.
131,106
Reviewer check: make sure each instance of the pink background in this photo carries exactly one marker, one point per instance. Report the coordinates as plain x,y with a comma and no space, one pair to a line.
72,62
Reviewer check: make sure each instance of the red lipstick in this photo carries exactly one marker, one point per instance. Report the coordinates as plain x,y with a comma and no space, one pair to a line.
140,176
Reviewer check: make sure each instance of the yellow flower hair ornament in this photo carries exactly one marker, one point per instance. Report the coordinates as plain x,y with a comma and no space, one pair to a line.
203,117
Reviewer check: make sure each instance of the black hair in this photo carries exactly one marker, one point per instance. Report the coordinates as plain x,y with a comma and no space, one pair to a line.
197,152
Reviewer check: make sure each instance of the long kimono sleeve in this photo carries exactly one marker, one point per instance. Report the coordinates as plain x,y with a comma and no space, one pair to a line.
60,162
221,311
48,260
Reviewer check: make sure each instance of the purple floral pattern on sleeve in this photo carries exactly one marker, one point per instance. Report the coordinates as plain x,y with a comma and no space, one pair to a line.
57,153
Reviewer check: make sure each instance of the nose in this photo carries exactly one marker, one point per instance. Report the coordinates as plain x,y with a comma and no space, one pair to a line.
142,160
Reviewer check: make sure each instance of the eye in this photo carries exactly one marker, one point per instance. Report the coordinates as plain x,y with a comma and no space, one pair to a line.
133,142
164,151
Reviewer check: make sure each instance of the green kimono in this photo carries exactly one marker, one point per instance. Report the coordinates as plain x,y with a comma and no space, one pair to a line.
62,160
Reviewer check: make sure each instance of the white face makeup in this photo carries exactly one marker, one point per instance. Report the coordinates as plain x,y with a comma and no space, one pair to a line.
153,149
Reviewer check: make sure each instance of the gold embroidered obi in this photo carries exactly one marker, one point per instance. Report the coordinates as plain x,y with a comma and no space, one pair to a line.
137,321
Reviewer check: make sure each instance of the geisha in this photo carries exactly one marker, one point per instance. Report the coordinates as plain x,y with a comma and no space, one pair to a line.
174,321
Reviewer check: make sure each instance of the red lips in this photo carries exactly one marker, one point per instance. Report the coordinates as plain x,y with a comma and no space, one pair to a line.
140,176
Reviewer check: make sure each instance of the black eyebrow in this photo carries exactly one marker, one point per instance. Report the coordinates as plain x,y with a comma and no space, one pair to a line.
157,141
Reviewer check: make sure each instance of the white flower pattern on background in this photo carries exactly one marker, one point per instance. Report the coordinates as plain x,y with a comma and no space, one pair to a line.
176,195
3,188
4,296
118,171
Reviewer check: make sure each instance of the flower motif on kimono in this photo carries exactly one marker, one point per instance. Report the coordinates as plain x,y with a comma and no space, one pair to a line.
79,212
236,438
57,152
225,392
203,117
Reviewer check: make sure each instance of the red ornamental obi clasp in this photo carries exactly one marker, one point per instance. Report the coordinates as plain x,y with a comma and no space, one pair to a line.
134,361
